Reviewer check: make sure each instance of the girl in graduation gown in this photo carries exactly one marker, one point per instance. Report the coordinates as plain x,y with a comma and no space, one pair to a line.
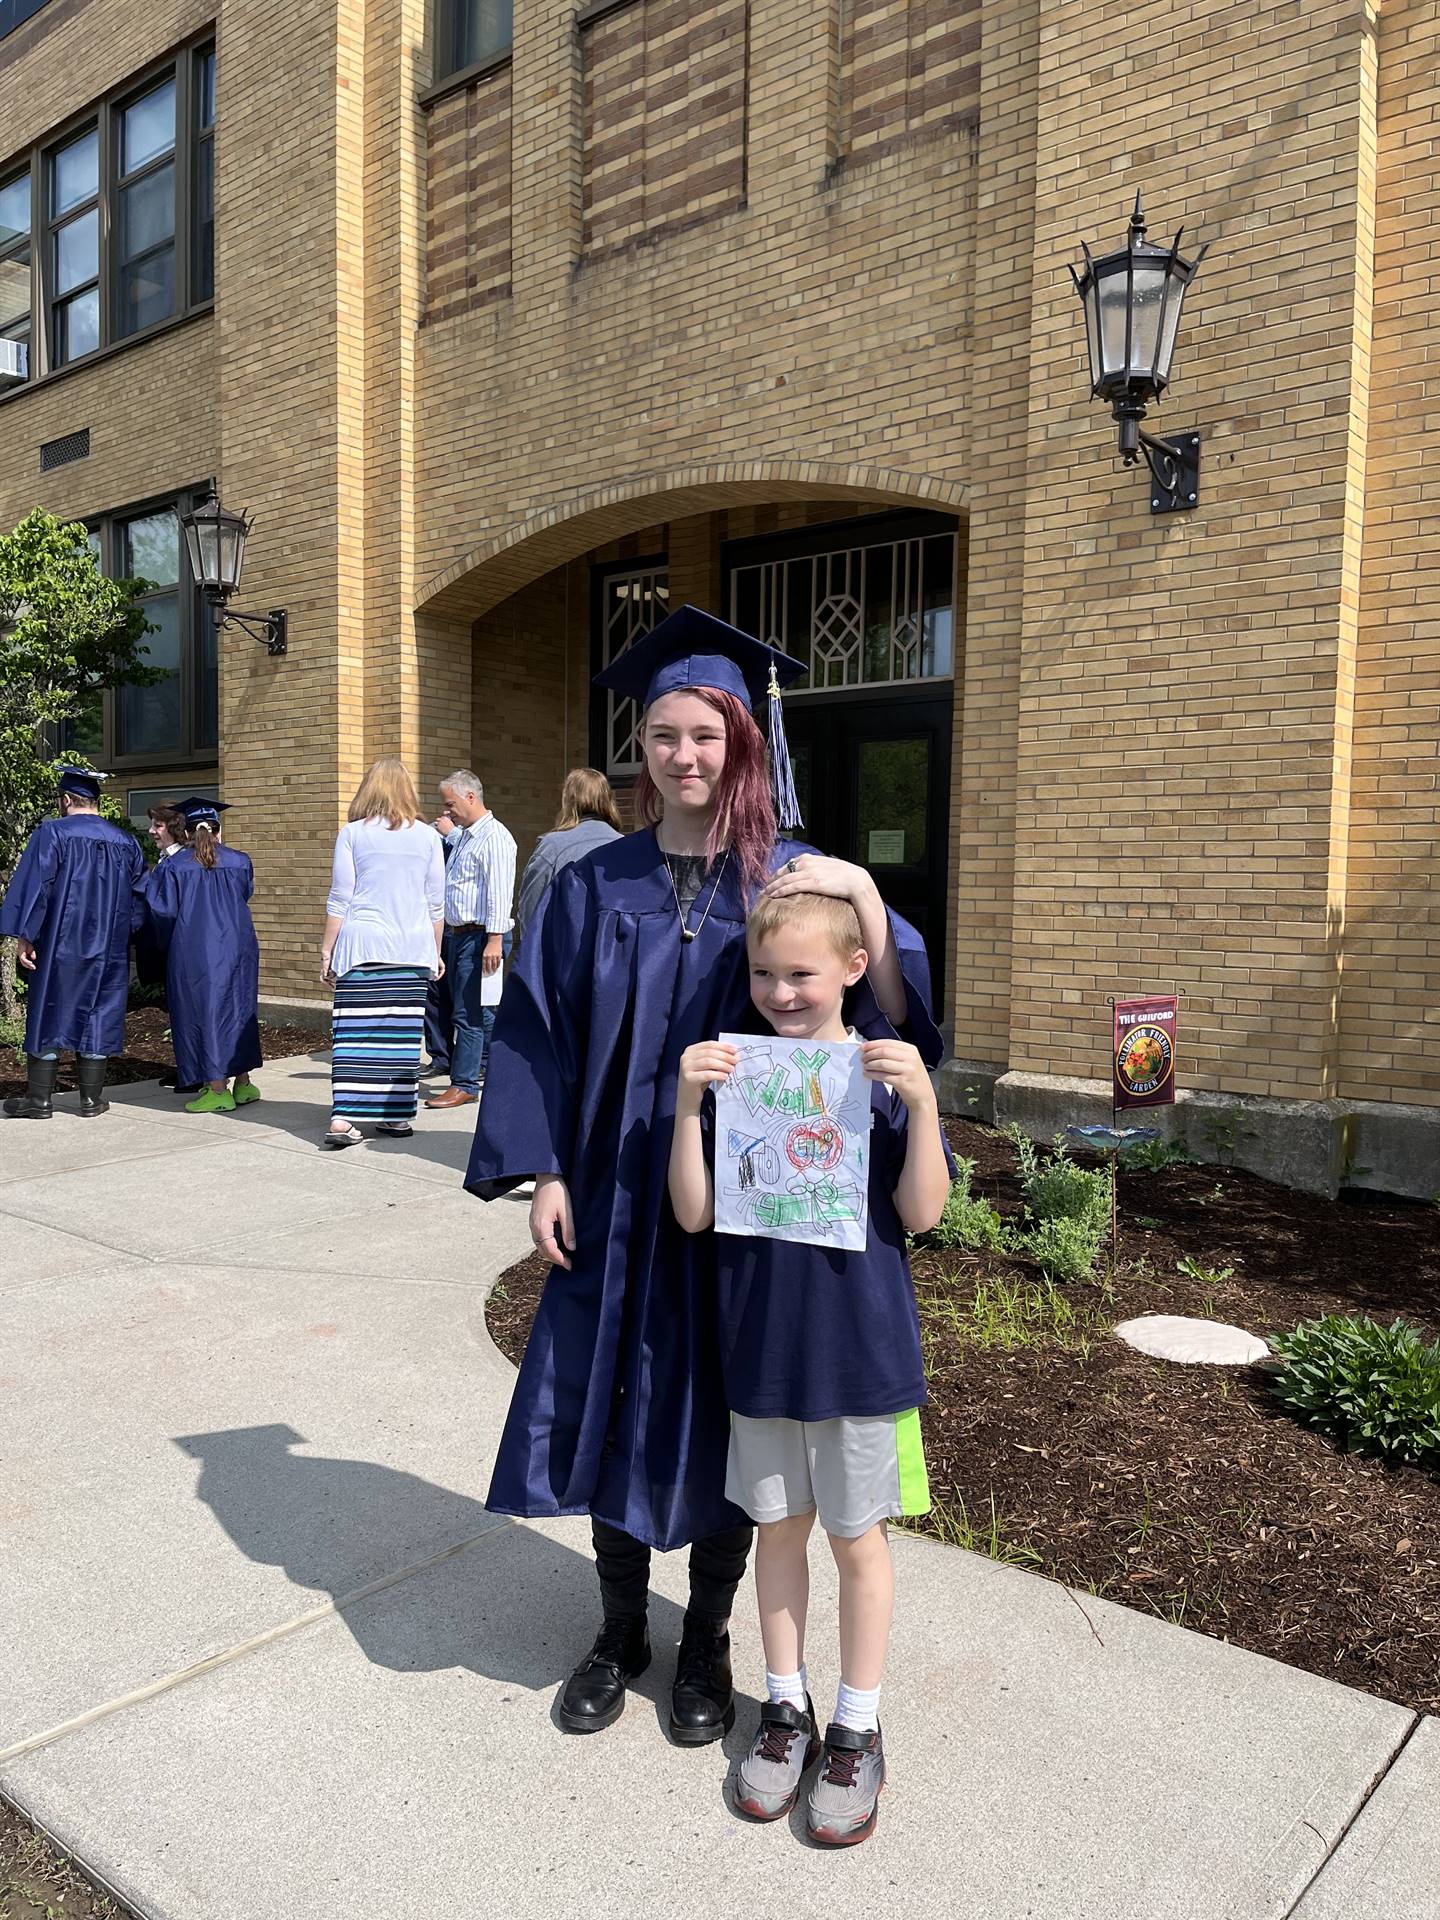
635,952
196,909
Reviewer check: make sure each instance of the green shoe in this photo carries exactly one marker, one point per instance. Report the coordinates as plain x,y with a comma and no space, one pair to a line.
211,1103
243,1095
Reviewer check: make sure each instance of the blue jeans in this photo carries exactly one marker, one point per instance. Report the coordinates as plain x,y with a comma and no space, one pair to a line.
440,1012
474,1024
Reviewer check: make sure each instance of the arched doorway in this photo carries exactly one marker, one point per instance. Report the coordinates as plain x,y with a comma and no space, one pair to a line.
867,588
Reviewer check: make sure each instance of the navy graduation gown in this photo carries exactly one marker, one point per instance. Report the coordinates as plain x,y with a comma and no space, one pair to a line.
199,916
619,1409
72,896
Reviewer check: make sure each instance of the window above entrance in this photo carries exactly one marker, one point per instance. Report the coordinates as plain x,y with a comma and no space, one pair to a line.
629,602
873,609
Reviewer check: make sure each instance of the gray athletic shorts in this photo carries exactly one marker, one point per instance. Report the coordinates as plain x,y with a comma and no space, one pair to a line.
852,1472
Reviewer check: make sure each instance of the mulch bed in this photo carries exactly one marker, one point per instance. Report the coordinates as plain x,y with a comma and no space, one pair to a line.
148,1052
37,1883
1184,1491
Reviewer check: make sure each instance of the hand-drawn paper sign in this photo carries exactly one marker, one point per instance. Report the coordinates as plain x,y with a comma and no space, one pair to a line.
792,1127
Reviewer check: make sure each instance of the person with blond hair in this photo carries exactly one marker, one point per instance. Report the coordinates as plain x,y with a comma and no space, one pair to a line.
384,921
587,819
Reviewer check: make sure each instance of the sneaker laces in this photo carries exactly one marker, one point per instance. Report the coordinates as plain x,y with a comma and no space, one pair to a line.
840,1765
775,1739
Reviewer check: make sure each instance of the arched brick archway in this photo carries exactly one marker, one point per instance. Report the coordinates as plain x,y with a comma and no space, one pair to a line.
534,544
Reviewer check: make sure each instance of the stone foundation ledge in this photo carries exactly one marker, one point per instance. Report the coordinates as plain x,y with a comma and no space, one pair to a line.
297,1013
1316,1146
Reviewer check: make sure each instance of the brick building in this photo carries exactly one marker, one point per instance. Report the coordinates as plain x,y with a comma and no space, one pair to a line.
515,327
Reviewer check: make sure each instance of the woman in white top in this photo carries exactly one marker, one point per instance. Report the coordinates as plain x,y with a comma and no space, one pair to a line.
384,921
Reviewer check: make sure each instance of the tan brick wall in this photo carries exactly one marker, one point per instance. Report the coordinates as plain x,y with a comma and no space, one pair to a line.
1390,1026
468,204
664,117
906,66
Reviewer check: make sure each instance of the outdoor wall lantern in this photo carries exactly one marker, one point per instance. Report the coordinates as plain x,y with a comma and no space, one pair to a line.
1132,300
215,538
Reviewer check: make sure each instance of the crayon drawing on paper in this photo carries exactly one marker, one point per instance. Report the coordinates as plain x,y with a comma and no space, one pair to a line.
792,1142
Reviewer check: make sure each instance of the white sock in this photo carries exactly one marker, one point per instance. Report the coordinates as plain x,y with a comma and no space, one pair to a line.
788,1686
858,1709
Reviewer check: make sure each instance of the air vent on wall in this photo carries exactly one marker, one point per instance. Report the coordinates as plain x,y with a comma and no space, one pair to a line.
59,453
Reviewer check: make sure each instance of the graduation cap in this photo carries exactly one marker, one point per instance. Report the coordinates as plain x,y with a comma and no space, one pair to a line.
691,648
195,810
81,780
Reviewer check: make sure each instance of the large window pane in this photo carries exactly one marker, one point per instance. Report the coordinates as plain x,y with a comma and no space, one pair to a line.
482,27
77,327
205,89
76,173
149,717
147,128
150,548
14,288
205,222
146,292
77,252
14,210
147,213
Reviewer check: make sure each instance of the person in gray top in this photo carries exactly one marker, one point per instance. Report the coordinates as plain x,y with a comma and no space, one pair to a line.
588,817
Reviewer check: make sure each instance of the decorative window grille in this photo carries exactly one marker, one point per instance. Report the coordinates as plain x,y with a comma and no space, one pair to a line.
868,616
631,604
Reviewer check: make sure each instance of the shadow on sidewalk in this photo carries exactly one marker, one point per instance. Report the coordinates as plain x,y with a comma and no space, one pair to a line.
518,1608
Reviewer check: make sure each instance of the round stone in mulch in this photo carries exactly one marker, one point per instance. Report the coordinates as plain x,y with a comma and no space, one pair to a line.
1191,1342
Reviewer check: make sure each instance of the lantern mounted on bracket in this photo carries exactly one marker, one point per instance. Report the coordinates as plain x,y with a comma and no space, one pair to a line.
215,541
1132,300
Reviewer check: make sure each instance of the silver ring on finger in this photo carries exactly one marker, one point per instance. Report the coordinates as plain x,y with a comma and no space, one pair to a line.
790,866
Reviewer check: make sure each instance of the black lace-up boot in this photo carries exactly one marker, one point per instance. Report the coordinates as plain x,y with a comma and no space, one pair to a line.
91,1075
702,1707
36,1103
594,1695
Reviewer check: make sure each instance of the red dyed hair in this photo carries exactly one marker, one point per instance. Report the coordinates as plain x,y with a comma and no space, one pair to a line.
744,818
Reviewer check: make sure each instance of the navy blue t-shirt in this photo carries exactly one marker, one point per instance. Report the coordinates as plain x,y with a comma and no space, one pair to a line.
815,1333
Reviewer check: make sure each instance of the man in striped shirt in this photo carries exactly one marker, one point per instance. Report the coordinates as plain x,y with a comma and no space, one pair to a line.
479,895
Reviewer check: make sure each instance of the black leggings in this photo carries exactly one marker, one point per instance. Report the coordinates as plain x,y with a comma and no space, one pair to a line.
716,1567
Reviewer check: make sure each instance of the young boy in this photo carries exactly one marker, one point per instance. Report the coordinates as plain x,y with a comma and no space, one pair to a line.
821,1355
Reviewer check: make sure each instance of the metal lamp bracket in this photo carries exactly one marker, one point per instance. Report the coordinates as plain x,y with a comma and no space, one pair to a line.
1174,471
270,629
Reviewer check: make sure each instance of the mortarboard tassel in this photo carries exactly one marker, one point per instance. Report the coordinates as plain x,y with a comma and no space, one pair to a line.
782,775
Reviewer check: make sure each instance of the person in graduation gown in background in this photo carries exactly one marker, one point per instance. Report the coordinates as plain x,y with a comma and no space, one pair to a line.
70,904
636,951
196,907
169,833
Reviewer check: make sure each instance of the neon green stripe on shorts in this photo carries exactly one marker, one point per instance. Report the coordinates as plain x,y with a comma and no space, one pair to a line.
910,1459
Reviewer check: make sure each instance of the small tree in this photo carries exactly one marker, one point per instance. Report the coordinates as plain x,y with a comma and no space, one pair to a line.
66,634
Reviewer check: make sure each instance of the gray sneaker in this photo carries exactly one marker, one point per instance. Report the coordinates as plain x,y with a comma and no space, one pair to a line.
842,1800
770,1774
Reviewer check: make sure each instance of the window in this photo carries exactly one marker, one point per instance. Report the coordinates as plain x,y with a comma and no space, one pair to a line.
101,259
875,611
629,602
74,263
469,31
15,277
176,719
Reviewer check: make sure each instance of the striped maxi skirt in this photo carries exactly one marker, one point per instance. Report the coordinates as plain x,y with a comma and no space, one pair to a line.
378,1021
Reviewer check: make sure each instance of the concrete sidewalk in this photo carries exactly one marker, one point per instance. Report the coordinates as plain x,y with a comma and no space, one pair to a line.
267,1654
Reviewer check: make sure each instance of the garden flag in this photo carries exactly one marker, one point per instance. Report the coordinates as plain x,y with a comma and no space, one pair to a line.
1145,1051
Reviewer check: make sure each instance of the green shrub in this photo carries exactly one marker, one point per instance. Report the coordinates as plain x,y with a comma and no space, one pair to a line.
1067,1210
966,1221
1065,1249
1372,1389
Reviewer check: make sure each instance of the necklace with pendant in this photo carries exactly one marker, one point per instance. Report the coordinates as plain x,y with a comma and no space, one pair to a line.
685,933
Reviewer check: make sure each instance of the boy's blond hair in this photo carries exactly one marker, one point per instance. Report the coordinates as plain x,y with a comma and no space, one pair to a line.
834,921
